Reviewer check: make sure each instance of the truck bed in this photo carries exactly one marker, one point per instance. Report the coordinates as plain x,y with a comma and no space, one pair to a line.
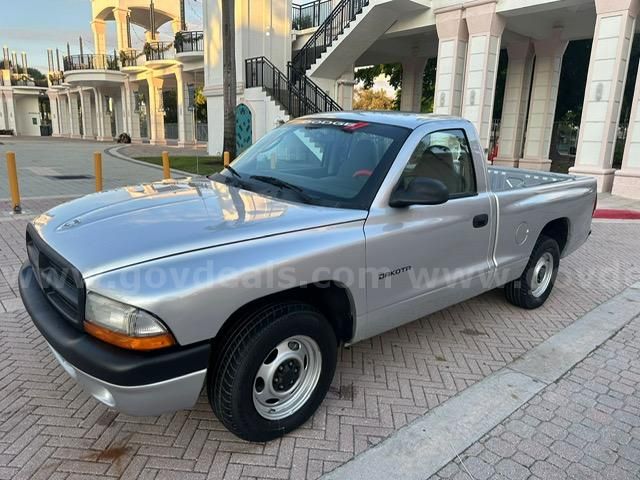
504,178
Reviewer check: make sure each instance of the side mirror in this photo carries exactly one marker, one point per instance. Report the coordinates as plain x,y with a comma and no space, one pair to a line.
421,191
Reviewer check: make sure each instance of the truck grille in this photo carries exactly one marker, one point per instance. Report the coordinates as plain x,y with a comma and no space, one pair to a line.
59,280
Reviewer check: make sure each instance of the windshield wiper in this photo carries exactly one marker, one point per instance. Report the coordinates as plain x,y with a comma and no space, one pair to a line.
233,171
276,182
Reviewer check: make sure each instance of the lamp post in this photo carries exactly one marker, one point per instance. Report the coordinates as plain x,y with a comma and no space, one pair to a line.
183,20
152,20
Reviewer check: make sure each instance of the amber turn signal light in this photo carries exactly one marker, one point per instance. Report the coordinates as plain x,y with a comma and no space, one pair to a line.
131,343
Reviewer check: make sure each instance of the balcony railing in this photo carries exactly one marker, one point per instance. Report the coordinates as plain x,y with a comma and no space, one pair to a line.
90,62
130,58
158,51
310,14
189,42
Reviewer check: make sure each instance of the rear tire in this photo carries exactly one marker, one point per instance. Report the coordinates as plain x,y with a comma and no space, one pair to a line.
273,370
535,284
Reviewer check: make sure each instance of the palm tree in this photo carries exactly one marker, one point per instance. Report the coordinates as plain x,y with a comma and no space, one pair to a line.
229,76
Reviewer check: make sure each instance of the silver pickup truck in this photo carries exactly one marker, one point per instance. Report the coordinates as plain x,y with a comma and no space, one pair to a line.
329,230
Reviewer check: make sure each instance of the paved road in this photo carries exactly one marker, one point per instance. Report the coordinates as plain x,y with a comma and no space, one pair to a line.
41,160
50,429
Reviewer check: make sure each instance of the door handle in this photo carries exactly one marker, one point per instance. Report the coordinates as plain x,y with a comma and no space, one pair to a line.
480,221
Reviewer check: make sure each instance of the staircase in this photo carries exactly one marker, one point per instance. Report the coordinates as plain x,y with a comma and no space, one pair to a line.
294,92
353,26
335,24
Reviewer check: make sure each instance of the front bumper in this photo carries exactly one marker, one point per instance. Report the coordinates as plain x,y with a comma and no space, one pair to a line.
145,400
136,383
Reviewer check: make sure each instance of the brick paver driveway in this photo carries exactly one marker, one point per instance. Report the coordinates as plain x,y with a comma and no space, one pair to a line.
50,429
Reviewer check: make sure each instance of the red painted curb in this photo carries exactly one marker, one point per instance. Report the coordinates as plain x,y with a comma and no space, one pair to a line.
612,214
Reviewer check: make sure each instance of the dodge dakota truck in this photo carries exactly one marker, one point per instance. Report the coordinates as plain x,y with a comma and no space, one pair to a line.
331,229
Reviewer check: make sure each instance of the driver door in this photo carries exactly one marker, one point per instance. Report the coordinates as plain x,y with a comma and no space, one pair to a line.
423,258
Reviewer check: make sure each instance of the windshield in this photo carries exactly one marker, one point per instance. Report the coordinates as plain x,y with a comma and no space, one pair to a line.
327,162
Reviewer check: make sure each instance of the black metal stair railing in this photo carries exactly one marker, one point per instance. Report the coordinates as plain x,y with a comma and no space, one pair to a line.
311,91
335,24
310,15
298,98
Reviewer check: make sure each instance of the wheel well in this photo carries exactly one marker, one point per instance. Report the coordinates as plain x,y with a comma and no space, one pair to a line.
331,298
558,230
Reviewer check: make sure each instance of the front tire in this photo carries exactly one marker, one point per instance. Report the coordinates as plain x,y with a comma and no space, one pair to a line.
273,371
535,284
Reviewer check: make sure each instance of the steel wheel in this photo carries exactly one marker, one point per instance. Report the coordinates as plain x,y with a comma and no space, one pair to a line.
542,274
287,377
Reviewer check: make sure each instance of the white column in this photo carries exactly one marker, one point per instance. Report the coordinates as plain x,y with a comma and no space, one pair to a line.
627,179
87,114
118,115
485,28
186,128
74,123
133,118
56,129
63,111
608,67
10,107
544,96
3,112
125,119
344,89
412,80
99,38
156,116
100,123
453,37
120,16
514,105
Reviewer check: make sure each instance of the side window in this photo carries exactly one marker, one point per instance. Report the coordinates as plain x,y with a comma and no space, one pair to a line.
444,156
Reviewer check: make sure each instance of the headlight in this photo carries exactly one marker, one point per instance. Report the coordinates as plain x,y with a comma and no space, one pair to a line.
124,325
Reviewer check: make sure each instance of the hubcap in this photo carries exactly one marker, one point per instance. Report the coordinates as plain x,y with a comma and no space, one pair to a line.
542,273
287,377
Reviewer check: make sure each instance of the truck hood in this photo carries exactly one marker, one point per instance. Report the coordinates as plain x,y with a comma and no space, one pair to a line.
117,228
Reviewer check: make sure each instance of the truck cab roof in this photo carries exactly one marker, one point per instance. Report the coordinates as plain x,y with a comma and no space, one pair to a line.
398,119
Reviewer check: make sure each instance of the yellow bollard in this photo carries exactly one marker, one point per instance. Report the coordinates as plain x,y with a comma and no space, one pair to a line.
97,165
12,173
226,159
166,166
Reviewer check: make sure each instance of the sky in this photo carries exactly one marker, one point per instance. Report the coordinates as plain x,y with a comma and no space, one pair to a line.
33,26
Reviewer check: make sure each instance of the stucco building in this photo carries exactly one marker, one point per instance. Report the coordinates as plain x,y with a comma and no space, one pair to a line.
22,110
297,59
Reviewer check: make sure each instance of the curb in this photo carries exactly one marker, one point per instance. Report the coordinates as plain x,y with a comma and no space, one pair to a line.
115,152
420,449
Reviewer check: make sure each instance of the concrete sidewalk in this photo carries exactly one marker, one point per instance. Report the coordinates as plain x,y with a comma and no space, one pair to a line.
585,426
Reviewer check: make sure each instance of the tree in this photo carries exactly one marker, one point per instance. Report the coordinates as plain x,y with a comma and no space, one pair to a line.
393,72
201,105
370,99
229,76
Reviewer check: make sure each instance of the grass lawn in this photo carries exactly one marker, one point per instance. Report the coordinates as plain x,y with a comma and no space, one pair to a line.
201,165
